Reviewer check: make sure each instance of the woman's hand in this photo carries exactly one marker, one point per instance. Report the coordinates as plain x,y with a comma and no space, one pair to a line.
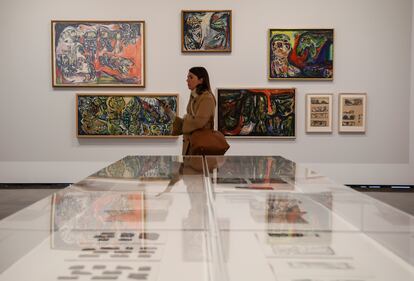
168,111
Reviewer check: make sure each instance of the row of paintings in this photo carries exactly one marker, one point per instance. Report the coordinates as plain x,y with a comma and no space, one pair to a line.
252,112
112,53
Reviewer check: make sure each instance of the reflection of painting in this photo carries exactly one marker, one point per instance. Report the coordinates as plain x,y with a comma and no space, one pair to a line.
289,214
98,54
124,115
257,112
284,210
139,167
301,54
318,113
352,109
206,31
76,213
99,210
256,169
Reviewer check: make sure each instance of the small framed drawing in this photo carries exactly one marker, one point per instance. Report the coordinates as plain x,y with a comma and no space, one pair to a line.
352,112
98,53
319,113
300,54
125,115
206,31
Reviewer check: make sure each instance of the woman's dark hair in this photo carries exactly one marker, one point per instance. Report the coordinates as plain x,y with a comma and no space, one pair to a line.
201,72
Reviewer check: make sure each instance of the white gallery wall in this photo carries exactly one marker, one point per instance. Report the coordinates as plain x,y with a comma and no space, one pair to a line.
372,54
412,91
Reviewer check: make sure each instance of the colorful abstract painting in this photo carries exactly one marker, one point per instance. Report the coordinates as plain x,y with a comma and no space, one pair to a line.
125,115
257,112
98,54
301,54
206,31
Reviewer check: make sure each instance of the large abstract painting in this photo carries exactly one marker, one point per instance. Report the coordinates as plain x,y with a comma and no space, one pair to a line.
125,115
301,54
206,31
257,112
98,53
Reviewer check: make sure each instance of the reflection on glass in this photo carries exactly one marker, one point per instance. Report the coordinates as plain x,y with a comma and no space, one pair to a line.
152,218
257,172
193,241
289,211
139,167
82,218
284,210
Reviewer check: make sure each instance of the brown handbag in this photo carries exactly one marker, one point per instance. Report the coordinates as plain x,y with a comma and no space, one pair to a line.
208,142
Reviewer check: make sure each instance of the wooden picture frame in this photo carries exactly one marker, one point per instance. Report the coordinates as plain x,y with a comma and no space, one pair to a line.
319,113
125,115
352,113
257,112
206,31
98,53
300,54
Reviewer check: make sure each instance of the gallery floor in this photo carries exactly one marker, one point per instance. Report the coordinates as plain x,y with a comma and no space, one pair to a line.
222,218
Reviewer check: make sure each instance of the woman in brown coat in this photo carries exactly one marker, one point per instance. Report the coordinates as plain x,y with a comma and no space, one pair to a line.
200,108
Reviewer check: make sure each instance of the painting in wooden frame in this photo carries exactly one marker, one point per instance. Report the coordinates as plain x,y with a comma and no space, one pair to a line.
319,113
257,112
125,115
300,54
352,112
206,31
98,53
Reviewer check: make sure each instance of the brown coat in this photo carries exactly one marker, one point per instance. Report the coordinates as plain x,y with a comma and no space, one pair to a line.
200,114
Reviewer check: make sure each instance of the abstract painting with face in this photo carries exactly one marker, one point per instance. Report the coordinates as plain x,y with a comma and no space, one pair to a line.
98,54
206,31
301,54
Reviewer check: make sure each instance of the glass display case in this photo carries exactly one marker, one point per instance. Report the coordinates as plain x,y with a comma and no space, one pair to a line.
286,222
213,218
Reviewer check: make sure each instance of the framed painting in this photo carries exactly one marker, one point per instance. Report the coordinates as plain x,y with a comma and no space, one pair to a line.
206,31
352,112
301,54
319,113
257,112
125,116
98,53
